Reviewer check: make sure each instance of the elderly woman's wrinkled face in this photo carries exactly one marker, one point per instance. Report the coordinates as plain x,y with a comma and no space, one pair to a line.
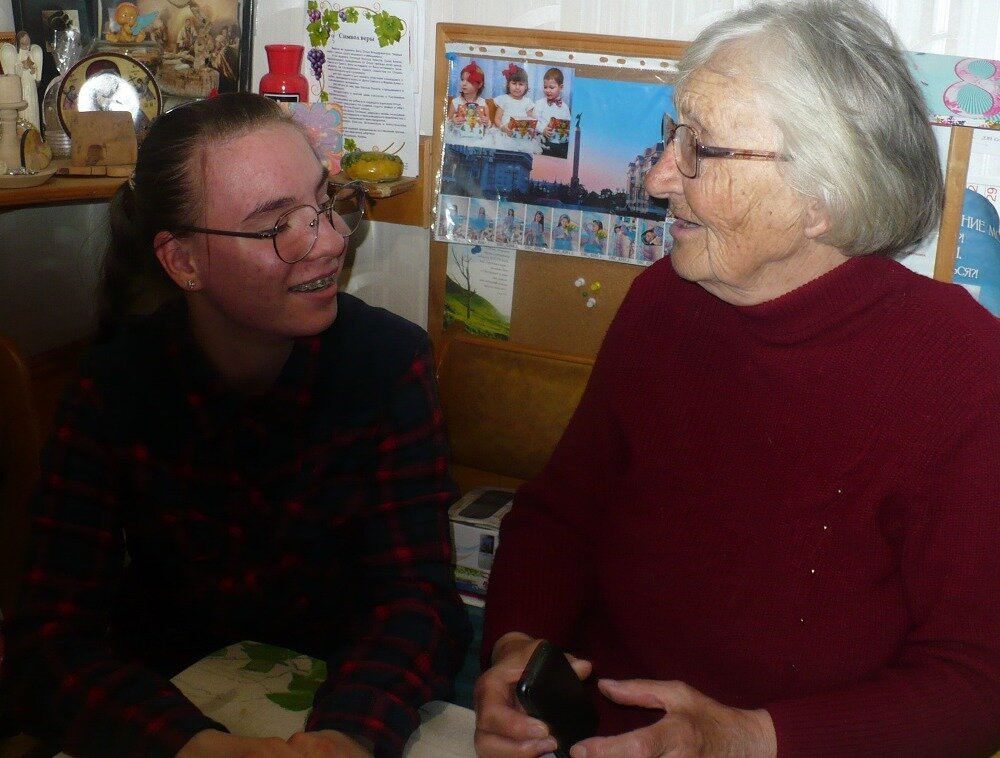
740,229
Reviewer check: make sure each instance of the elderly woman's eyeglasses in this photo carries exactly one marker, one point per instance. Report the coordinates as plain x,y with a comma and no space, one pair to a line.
688,150
295,232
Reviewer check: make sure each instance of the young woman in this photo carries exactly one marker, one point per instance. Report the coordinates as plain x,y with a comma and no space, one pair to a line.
261,458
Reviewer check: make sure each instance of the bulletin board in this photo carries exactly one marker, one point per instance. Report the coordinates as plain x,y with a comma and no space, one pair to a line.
548,310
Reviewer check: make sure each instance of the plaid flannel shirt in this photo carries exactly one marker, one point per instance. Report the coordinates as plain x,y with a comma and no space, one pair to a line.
175,517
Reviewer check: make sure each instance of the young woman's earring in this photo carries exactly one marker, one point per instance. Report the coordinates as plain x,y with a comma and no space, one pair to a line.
190,284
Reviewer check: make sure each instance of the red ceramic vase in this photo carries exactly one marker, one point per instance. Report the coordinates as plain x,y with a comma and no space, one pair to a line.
284,81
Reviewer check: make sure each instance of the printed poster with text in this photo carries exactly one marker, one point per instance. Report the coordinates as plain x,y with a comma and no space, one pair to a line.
977,258
363,59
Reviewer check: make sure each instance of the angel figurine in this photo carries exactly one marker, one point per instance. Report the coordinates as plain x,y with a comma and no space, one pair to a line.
25,60
126,25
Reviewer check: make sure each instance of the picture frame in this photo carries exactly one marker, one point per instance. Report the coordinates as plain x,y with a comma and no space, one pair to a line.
206,45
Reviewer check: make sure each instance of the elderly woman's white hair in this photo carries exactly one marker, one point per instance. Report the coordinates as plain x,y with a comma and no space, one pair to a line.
834,80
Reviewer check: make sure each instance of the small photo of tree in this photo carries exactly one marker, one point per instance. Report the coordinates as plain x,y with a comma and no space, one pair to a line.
475,290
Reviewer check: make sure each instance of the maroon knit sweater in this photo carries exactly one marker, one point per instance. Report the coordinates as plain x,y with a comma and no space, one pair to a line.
793,506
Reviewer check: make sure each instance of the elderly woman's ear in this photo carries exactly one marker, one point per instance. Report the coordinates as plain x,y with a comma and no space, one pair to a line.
815,219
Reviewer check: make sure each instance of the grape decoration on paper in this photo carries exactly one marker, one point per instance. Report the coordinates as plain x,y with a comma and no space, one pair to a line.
316,59
324,20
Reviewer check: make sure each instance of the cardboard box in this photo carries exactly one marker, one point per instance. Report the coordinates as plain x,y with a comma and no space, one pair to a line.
475,535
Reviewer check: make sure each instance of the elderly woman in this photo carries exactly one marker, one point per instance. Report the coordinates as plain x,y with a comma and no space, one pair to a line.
787,545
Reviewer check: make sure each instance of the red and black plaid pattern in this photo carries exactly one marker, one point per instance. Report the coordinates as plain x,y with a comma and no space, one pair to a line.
176,517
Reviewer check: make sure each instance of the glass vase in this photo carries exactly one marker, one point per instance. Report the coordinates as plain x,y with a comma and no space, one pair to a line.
284,80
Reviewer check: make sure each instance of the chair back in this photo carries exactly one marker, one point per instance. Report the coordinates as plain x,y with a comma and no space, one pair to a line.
505,406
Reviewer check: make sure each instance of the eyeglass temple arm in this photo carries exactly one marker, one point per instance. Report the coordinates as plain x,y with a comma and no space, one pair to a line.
726,152
268,234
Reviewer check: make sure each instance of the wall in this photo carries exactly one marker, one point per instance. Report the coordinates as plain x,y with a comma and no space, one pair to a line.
6,16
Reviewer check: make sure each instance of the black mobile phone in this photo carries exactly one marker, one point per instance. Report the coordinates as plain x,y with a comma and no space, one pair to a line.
551,691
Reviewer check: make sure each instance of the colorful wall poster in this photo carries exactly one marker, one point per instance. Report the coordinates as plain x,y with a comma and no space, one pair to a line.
557,148
363,59
977,258
959,91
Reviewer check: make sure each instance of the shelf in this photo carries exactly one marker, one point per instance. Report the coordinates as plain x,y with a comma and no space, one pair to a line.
61,189
378,189
403,201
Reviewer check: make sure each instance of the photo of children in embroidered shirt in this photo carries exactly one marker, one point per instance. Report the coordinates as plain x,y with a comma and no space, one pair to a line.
594,237
566,231
482,220
509,105
453,213
553,112
510,227
537,227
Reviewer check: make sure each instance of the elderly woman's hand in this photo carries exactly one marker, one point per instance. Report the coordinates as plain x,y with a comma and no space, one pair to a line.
694,725
502,726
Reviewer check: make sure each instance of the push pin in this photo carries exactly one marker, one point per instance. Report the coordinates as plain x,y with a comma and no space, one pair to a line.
585,292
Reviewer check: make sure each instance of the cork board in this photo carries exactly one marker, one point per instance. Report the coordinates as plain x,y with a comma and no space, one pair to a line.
549,310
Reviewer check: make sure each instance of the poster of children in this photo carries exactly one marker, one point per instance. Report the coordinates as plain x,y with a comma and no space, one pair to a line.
552,154
509,105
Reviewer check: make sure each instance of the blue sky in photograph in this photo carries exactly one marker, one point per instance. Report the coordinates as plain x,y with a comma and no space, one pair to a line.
620,120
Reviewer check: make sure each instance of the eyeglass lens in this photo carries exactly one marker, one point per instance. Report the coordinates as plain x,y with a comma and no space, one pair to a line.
301,225
686,151
685,145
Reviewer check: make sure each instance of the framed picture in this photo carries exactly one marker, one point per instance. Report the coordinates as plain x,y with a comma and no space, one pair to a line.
40,18
206,44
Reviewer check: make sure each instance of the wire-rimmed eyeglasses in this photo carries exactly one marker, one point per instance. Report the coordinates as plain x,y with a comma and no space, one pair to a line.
297,229
688,149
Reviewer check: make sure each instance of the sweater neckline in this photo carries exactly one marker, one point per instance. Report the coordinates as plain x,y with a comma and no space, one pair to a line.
820,306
